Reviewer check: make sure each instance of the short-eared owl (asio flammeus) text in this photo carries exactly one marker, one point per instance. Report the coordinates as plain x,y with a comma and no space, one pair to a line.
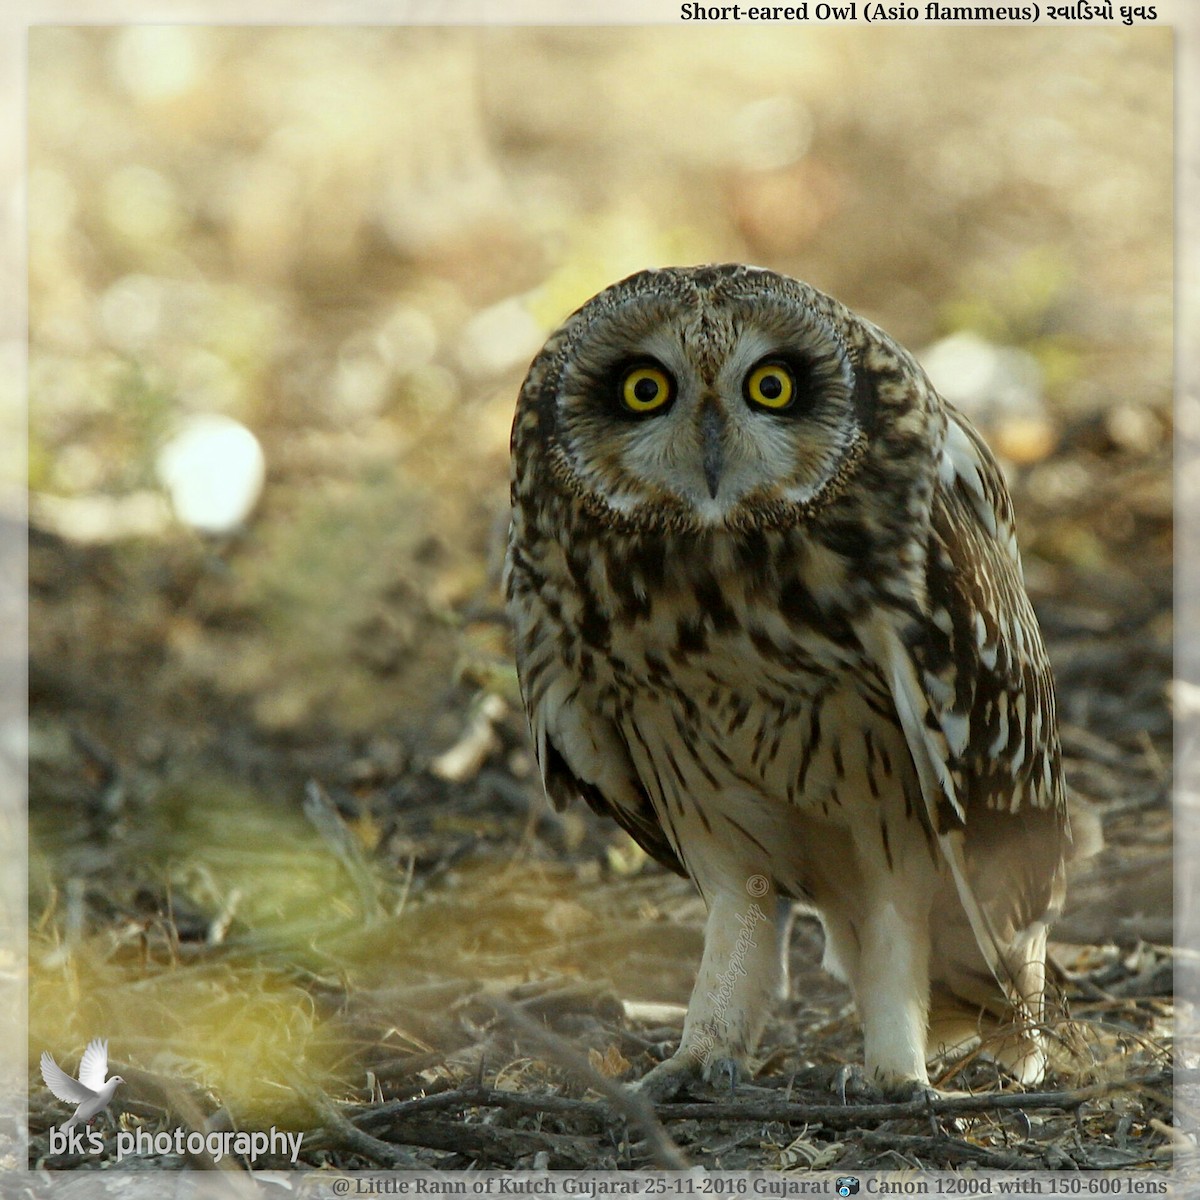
770,617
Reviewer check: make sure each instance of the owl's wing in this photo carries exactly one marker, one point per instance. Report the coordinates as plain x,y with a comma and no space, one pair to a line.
972,687
581,753
638,819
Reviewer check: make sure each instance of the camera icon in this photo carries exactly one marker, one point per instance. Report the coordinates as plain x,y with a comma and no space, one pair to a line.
846,1185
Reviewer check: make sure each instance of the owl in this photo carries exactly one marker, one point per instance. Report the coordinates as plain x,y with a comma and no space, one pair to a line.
770,617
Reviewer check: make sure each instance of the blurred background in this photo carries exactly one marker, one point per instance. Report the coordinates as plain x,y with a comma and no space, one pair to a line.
284,285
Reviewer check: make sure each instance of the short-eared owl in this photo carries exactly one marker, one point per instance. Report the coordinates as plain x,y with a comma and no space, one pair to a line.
770,617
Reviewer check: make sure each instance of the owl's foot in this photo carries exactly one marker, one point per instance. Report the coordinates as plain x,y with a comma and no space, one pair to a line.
668,1079
854,1086
683,1069
722,1072
851,1085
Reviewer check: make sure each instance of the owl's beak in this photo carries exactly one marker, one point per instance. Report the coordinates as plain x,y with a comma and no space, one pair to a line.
712,438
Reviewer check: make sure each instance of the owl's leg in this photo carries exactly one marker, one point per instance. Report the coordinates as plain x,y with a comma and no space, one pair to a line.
738,978
882,951
892,992
1023,1051
785,918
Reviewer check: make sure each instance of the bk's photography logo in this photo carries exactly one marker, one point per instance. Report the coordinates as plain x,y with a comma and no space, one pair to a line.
91,1094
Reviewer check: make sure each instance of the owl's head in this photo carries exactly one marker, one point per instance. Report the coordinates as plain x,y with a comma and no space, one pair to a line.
701,397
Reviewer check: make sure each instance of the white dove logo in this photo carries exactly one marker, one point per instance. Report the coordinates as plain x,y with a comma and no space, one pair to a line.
89,1092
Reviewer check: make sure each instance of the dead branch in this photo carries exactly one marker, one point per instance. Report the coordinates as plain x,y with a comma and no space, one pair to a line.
493,1144
341,1132
792,1112
943,1151
848,1116
634,1108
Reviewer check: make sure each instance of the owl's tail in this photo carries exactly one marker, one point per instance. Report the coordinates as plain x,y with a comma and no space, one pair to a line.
967,1009
990,991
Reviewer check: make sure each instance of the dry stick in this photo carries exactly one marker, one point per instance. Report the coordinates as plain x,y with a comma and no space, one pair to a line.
943,1149
477,1096
346,1134
846,1116
630,1105
833,1115
176,1099
493,1144
482,1141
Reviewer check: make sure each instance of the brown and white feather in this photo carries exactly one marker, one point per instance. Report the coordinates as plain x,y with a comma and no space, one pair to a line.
823,671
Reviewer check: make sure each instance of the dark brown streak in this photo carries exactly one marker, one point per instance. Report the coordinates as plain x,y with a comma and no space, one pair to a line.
747,835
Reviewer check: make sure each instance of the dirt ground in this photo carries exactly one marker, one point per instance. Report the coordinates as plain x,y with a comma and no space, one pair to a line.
288,851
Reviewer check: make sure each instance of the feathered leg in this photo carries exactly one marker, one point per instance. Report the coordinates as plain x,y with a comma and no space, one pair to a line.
884,955
739,976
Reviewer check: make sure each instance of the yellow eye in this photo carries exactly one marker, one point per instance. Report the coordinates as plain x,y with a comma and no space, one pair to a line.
645,389
771,386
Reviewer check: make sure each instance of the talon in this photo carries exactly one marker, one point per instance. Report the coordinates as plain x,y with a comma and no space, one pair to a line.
853,1085
905,1091
725,1069
850,1083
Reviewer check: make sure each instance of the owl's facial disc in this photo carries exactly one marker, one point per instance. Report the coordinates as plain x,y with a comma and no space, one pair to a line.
706,418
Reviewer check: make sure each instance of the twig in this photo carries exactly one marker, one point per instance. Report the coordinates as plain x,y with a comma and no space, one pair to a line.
634,1108
942,1149
493,1144
176,1098
409,1123
836,1116
849,1116
472,1096
345,1134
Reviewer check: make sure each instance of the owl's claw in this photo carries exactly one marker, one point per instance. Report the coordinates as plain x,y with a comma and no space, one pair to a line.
672,1076
724,1070
854,1086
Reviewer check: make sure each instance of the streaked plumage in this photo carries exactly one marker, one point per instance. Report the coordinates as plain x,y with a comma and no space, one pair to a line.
770,616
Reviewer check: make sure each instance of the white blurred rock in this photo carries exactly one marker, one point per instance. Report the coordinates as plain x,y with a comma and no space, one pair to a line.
100,518
130,311
771,133
999,388
500,338
982,379
213,469
409,338
158,62
465,758
1134,427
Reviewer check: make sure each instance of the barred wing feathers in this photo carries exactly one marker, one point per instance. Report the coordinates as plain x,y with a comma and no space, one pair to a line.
581,753
973,690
